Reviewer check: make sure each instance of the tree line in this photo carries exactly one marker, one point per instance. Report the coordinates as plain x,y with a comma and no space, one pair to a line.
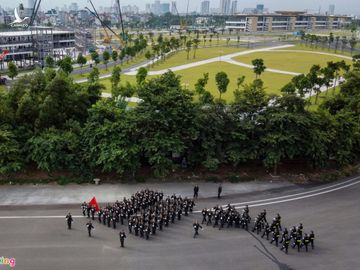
48,121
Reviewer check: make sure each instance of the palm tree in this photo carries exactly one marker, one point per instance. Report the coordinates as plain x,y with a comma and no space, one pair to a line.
195,46
188,48
330,40
259,66
344,42
337,40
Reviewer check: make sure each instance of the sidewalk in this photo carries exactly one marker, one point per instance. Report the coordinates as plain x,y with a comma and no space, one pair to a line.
76,194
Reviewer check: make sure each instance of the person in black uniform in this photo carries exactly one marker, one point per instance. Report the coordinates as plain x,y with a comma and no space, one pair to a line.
196,226
312,238
266,231
204,214
219,191
196,191
284,235
83,208
122,238
89,227
88,209
276,235
69,220
297,242
306,241
93,210
286,244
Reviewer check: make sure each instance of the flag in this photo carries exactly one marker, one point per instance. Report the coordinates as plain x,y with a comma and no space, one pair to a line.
93,202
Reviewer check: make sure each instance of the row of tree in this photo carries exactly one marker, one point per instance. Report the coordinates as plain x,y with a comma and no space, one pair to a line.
48,121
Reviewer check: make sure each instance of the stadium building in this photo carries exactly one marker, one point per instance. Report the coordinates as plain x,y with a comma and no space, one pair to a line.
286,21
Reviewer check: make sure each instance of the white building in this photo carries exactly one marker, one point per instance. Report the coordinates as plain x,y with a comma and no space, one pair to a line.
205,7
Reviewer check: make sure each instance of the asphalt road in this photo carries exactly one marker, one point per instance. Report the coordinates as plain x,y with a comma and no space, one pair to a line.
332,211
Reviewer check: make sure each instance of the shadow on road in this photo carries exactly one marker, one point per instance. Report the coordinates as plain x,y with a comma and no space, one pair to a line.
269,255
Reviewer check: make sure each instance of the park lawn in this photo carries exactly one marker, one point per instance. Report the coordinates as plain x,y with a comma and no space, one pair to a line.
123,80
303,47
322,98
180,57
290,61
273,82
136,60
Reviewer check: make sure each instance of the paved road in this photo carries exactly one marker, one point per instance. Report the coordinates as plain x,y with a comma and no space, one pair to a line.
331,211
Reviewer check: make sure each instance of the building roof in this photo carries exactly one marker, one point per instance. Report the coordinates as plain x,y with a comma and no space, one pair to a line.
28,33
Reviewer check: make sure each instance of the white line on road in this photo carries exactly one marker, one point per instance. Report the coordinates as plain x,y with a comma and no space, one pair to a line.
275,200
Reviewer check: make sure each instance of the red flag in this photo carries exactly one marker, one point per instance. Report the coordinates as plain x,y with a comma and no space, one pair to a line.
93,202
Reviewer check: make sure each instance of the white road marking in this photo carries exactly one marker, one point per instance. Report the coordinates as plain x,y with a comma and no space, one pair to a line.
270,201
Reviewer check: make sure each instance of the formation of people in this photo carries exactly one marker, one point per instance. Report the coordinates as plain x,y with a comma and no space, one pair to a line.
220,217
145,213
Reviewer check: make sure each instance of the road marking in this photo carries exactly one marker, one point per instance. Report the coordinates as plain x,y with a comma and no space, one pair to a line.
298,196
270,201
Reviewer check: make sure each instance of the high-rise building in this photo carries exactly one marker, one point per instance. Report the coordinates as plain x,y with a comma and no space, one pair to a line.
173,7
205,7
332,10
73,7
259,8
148,8
225,7
164,8
233,9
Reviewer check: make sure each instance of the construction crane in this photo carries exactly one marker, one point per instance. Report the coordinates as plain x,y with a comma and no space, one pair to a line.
34,12
124,38
105,26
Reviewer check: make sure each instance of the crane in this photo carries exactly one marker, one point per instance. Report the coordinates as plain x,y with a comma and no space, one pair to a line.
105,26
34,12
121,22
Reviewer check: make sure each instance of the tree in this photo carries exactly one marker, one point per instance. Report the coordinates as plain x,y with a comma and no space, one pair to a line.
188,48
65,65
81,60
94,75
106,57
259,67
115,77
95,57
331,40
141,75
195,46
50,62
344,42
10,154
222,82
352,42
114,55
12,70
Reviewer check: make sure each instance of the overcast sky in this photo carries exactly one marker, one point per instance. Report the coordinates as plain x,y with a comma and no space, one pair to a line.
341,6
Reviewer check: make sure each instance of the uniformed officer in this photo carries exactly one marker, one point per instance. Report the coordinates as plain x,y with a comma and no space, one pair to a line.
266,231
306,241
93,210
297,242
122,238
286,244
89,227
196,226
276,235
219,191
83,207
312,238
204,214
196,191
69,220
284,235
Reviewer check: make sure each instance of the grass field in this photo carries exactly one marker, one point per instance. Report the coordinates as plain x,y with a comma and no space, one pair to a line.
303,47
299,62
273,82
180,58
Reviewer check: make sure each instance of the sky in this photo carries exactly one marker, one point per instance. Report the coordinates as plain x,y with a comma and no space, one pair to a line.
350,7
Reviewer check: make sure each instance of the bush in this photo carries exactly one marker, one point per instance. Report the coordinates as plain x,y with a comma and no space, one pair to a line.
214,179
240,178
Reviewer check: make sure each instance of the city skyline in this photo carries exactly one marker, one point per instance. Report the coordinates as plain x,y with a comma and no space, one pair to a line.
350,7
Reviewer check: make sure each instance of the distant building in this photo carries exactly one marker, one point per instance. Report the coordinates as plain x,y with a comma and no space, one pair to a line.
73,7
173,8
225,7
286,21
164,8
205,7
331,10
233,9
148,8
260,9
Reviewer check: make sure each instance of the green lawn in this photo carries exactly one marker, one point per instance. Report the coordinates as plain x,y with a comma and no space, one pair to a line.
136,60
322,97
273,82
299,62
180,58
303,47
